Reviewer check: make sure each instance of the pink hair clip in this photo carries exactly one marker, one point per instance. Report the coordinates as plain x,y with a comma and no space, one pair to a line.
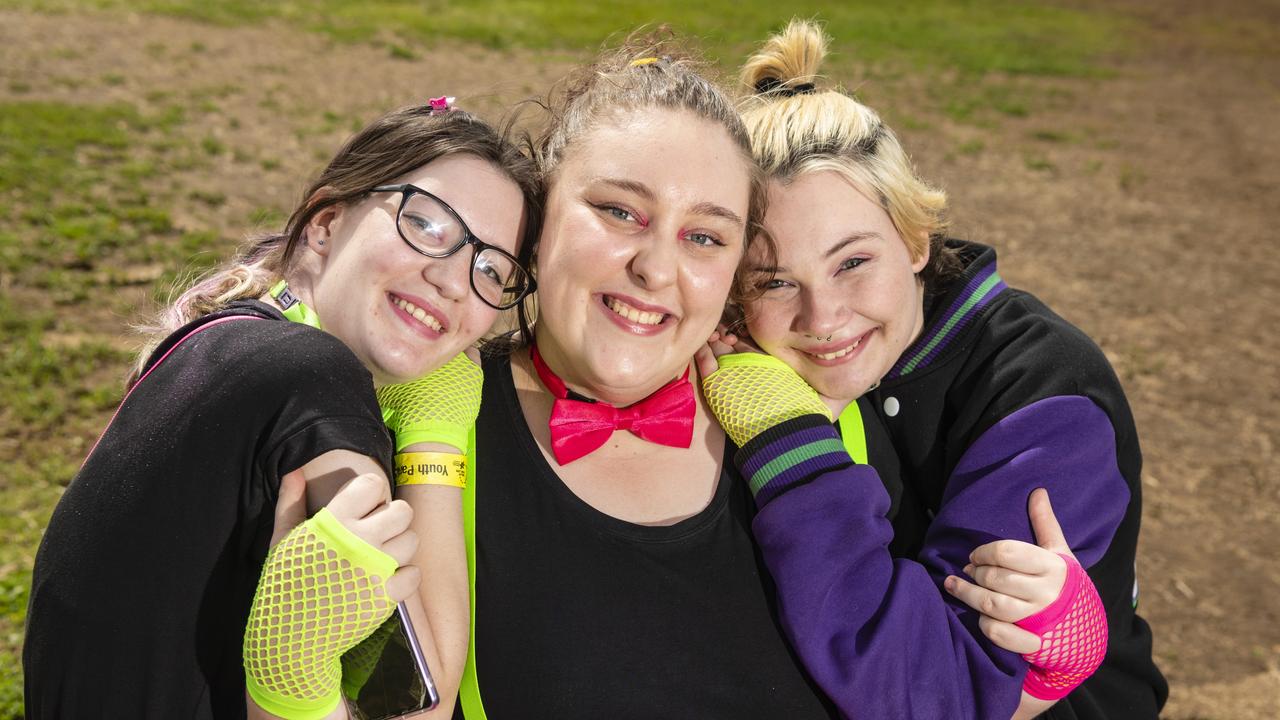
441,105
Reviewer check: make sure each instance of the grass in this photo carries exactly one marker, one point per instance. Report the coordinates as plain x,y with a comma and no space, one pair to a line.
1131,178
975,101
401,52
1037,162
211,198
971,36
967,39
1050,136
266,217
76,173
212,145
44,379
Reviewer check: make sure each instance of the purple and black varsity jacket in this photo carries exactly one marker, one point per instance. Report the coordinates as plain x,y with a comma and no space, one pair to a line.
998,396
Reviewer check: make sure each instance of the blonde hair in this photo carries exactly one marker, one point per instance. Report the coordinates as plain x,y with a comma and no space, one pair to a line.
797,128
650,70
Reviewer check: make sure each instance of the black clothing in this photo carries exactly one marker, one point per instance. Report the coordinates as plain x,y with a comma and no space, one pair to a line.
905,512
582,615
144,578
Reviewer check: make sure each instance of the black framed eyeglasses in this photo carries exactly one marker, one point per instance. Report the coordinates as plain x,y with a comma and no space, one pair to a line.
428,225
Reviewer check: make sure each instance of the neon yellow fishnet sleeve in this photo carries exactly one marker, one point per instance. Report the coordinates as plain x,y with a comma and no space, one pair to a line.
440,407
322,591
751,393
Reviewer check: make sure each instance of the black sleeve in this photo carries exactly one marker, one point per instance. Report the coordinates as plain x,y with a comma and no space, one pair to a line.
316,396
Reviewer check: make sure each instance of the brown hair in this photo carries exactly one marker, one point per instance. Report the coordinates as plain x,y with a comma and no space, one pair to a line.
651,69
387,148
797,128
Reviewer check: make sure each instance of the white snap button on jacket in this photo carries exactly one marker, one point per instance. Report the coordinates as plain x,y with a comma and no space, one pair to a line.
891,406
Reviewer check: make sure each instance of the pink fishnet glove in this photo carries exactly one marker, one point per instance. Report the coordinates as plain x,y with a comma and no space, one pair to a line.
1073,637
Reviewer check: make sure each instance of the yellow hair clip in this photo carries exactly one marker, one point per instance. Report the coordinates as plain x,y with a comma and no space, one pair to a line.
642,61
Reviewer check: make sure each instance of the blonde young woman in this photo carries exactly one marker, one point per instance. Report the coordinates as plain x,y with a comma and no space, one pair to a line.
985,394
614,574
253,406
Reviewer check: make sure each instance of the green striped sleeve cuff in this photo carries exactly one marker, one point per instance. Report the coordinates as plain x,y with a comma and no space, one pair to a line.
790,454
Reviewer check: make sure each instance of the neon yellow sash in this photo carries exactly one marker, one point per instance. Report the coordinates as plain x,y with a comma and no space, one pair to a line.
853,433
469,692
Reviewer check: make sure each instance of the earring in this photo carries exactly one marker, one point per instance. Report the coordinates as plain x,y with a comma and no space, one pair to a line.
320,242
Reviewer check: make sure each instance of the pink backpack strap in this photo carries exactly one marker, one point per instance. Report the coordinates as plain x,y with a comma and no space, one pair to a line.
156,364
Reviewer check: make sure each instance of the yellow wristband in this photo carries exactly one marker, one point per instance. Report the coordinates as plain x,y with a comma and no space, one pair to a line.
431,468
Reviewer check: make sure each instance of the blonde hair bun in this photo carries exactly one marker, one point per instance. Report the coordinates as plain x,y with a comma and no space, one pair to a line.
796,129
787,60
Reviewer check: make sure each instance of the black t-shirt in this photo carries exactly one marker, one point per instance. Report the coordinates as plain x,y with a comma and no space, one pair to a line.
145,575
582,615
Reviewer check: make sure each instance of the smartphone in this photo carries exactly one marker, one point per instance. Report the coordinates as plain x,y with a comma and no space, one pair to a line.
386,676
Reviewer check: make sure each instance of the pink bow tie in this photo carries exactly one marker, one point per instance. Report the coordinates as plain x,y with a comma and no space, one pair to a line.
578,427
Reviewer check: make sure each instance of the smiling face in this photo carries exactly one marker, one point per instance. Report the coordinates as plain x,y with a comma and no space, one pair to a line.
404,314
845,301
644,228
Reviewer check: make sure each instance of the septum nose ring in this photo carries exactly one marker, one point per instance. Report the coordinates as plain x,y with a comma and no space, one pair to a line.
822,339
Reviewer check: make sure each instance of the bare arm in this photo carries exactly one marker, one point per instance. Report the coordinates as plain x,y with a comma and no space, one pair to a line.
1031,707
440,610
311,487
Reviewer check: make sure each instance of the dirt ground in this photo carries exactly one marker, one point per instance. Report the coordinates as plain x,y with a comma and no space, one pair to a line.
1139,205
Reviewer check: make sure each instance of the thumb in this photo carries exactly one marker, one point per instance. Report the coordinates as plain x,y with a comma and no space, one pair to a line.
1045,524
705,360
291,505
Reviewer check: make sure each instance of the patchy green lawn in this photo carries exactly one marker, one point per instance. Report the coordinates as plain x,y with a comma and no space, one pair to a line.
975,36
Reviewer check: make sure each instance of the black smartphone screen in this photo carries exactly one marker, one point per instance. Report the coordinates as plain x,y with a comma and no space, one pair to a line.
386,676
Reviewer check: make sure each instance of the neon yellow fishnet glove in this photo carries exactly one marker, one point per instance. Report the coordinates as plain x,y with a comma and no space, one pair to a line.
752,392
322,591
440,407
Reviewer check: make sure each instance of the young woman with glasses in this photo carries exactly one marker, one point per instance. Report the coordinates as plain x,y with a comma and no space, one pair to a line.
252,406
